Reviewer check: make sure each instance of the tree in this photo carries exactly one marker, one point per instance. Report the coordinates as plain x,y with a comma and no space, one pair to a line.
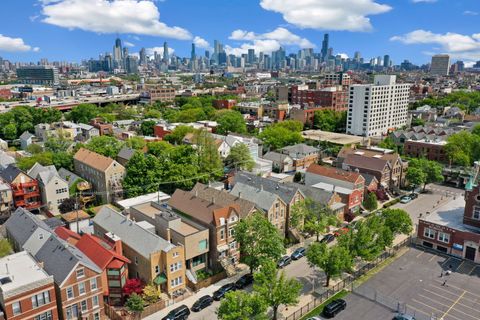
34,148
417,122
67,205
5,248
63,160
209,162
230,121
151,294
57,144
259,241
105,145
415,176
146,128
275,289
133,286
44,158
83,113
177,135
388,143
431,169
10,131
398,221
135,303
463,148
330,120
312,217
277,136
370,202
332,260
240,305
136,143
240,157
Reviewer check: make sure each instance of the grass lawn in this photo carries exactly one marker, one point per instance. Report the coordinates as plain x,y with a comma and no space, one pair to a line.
318,310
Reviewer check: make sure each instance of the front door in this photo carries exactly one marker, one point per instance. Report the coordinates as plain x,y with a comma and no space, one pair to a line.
470,253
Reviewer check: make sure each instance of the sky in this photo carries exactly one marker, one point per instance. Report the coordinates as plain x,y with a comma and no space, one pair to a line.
73,30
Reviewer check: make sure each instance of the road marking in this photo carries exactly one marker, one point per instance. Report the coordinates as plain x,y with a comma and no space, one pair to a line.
471,271
449,292
458,268
452,300
453,305
433,308
418,310
418,255
461,289
433,256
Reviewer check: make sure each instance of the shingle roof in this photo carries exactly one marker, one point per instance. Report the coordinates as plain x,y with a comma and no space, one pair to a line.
299,149
317,195
43,173
223,198
275,156
93,159
284,191
95,248
68,176
26,135
368,178
137,238
366,163
22,224
334,173
263,199
5,160
126,153
10,173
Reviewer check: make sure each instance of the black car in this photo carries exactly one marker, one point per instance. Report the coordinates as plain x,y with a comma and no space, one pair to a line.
220,293
180,313
298,253
244,281
334,307
328,238
413,195
284,261
202,303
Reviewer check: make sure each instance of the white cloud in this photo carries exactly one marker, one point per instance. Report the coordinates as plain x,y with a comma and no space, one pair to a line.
470,13
350,15
15,45
266,42
140,17
459,46
424,1
201,43
128,44
159,50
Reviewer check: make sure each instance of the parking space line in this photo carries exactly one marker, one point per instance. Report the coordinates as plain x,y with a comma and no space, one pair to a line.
471,271
434,301
433,308
453,305
433,256
409,306
458,268
449,292
470,293
422,252
452,300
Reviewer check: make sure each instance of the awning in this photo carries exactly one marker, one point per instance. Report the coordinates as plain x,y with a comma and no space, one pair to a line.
223,247
160,279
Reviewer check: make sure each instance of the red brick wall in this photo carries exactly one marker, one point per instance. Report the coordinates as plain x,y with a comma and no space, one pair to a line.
26,304
471,201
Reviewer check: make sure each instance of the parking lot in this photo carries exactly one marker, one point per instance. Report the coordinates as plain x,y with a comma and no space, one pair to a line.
416,284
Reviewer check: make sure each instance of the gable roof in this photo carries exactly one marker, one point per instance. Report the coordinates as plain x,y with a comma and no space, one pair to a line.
68,176
345,152
22,224
98,251
93,159
286,192
276,156
317,195
126,153
361,162
26,135
142,241
5,160
198,208
263,199
10,173
300,149
334,173
43,173
223,198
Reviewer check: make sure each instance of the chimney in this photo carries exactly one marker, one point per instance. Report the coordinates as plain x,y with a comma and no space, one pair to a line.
169,235
115,242
41,264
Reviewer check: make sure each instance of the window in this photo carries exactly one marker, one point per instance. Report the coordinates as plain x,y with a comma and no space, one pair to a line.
231,232
44,316
40,299
81,288
96,316
62,190
176,282
17,309
233,218
83,305
444,237
476,213
157,269
175,254
429,233
72,312
202,245
222,234
175,266
70,294
93,284
80,273
233,245
136,260
95,301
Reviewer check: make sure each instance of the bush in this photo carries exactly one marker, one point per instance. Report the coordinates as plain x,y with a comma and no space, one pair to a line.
391,203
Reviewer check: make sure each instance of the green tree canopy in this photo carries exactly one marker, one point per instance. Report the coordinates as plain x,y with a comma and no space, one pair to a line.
332,260
146,128
275,289
135,303
240,305
177,135
370,202
105,145
240,157
398,221
259,241
209,161
83,113
415,176
432,170
312,217
330,120
277,136
230,121
136,143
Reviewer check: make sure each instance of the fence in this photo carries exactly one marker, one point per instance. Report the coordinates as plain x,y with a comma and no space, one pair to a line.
122,314
347,282
206,282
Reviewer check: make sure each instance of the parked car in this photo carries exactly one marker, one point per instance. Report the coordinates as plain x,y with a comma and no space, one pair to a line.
298,253
328,238
220,293
413,195
405,199
179,313
341,231
244,281
314,318
402,316
284,261
334,307
202,303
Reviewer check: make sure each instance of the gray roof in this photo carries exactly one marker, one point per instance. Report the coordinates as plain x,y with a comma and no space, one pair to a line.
284,191
368,178
43,173
10,173
5,159
134,236
126,153
59,258
276,156
68,176
22,224
26,135
316,194
300,149
263,199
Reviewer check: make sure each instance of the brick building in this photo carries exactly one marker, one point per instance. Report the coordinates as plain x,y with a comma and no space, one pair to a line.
156,92
431,150
224,104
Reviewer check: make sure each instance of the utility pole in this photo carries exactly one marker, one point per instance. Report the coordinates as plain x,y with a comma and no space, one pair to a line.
76,211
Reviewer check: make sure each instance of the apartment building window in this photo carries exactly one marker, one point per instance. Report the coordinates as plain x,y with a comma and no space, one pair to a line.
70,294
157,269
203,245
72,312
175,266
83,305
136,260
93,284
96,316
231,232
17,308
40,299
222,234
175,254
429,233
81,288
444,237
44,316
95,301
476,213
233,245
80,273
176,282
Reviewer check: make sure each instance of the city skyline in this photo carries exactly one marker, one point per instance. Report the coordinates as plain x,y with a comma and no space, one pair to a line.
44,29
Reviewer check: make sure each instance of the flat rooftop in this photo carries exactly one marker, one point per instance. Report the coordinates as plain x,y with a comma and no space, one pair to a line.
451,215
19,270
147,198
332,137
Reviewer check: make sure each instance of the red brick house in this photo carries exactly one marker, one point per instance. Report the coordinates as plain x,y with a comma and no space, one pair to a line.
431,150
224,104
25,189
